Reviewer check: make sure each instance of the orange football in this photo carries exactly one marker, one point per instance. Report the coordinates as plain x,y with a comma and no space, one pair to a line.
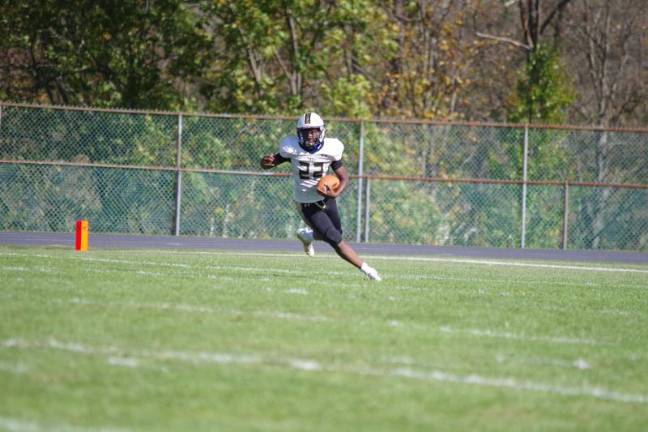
327,184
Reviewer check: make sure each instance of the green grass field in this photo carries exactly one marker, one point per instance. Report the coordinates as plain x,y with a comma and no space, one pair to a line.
146,340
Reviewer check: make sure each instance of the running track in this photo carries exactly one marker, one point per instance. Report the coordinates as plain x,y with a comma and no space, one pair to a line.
121,241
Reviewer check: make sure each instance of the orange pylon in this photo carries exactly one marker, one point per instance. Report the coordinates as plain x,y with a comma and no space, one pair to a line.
81,235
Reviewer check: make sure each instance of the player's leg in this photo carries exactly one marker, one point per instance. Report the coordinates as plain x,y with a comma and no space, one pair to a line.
325,223
306,235
343,249
332,212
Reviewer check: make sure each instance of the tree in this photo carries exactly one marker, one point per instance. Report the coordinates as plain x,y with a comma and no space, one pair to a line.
543,92
287,56
427,72
132,53
611,42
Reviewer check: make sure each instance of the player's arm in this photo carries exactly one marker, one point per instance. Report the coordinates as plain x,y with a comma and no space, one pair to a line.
341,173
272,160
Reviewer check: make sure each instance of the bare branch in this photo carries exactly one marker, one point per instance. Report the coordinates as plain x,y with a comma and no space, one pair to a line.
557,9
505,40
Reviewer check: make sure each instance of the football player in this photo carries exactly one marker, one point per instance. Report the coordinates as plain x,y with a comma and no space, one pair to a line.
311,154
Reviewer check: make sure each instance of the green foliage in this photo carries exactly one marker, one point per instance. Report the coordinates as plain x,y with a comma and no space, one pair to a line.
543,89
109,54
410,207
86,136
282,57
347,96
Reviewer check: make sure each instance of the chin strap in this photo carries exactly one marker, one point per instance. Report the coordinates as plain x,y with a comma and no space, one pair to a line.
314,148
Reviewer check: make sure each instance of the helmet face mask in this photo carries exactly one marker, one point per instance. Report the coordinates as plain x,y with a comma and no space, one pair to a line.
309,137
310,132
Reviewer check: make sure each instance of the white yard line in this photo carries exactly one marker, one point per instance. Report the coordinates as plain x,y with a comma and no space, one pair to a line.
132,358
20,425
529,338
523,264
27,269
422,259
578,363
483,332
518,281
330,256
16,369
515,384
179,307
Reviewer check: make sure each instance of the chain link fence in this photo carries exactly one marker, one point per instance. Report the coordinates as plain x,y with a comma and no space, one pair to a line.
412,182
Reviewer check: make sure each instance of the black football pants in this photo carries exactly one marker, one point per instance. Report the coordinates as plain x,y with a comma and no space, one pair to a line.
324,219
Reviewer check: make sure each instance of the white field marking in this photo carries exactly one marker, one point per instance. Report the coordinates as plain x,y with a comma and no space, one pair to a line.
197,357
18,425
27,269
402,258
165,264
587,284
315,318
95,259
16,254
194,309
289,315
314,366
137,272
422,277
307,365
512,383
112,351
491,292
390,258
568,309
579,363
201,276
272,270
426,259
530,338
517,264
124,361
184,275
16,369
116,261
620,312
299,291
187,266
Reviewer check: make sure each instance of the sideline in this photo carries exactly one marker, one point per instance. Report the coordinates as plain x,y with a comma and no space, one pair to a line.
121,241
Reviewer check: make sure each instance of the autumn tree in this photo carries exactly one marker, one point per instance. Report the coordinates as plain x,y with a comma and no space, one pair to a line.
286,56
426,75
131,53
610,43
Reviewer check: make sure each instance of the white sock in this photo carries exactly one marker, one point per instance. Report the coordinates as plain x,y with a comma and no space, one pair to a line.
365,268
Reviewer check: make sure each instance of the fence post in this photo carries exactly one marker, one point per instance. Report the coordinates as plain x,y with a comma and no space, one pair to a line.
178,175
565,232
367,204
524,185
360,183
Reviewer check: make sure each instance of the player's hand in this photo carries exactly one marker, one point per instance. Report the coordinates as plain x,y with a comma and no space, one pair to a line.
268,161
332,193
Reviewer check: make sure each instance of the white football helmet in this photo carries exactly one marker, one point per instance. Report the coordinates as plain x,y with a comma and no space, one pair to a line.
310,120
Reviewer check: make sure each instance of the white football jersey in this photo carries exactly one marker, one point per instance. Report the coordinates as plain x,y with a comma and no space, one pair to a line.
307,168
